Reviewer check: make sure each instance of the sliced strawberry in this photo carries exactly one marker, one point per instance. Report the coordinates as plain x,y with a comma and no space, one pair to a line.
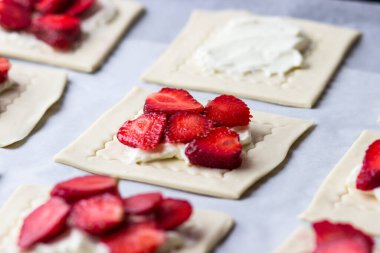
14,17
184,127
5,65
172,213
53,6
142,203
170,101
84,187
98,214
137,238
79,7
229,111
221,149
369,176
27,4
59,31
341,238
145,132
44,223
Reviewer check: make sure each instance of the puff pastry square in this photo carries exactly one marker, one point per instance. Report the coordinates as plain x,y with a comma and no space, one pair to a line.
207,228
336,202
92,52
300,88
273,137
23,105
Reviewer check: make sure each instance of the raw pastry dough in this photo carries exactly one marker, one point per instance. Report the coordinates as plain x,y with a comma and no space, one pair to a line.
273,136
94,49
207,228
302,241
23,105
300,88
336,202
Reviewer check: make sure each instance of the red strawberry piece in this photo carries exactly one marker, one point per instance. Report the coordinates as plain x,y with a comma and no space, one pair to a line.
53,6
142,203
229,111
59,31
341,238
172,213
170,101
79,7
5,65
369,176
44,223
84,187
184,127
221,149
136,238
145,132
98,214
27,4
14,17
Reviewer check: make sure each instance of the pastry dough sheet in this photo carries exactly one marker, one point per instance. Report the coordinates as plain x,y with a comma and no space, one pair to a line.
302,241
335,202
300,88
273,137
208,227
34,91
92,52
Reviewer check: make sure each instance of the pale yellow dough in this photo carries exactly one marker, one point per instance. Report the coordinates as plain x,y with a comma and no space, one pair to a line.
299,88
94,49
336,202
273,137
207,228
302,241
23,105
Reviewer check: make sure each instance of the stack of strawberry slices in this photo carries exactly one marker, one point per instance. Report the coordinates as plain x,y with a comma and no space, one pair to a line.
174,116
93,205
340,238
55,22
5,66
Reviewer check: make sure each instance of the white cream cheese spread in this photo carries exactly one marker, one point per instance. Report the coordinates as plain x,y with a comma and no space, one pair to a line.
104,15
249,44
129,155
351,183
73,241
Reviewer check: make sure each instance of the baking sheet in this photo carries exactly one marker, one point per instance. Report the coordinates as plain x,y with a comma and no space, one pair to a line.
267,214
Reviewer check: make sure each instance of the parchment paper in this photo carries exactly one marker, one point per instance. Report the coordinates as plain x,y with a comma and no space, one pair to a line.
267,214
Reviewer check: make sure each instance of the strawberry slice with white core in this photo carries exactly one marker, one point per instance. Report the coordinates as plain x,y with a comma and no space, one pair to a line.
170,101
184,127
369,175
59,31
84,187
145,132
135,238
80,7
172,213
5,66
221,149
229,111
341,238
44,223
14,17
98,214
142,203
